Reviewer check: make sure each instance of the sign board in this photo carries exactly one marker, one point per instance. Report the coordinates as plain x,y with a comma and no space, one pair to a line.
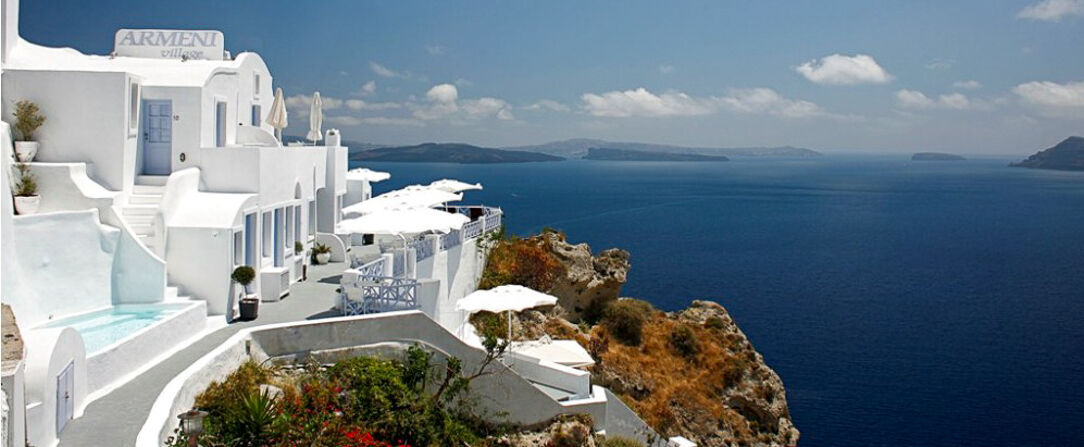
170,44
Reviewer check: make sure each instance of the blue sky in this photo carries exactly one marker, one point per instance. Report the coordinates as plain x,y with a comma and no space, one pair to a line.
984,76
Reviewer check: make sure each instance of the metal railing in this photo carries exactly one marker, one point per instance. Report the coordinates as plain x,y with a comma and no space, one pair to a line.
423,249
373,268
381,294
472,229
493,219
450,240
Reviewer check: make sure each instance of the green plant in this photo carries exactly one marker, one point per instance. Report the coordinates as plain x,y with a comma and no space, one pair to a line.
27,184
715,323
321,248
620,441
624,319
298,247
250,423
27,119
683,341
243,275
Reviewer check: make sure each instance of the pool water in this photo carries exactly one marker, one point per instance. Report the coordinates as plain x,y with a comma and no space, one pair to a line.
105,327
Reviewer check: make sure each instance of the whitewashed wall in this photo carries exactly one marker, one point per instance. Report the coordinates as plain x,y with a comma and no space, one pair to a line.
86,120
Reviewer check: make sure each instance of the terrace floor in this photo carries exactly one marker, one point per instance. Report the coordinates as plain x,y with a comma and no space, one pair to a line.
116,418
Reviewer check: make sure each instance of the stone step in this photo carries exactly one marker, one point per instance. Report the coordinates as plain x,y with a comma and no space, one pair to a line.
139,210
142,229
151,180
140,219
142,199
148,190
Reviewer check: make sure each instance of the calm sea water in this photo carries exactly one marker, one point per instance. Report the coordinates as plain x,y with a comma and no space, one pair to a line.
903,303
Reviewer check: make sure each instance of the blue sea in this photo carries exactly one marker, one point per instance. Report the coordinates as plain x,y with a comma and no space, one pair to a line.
902,303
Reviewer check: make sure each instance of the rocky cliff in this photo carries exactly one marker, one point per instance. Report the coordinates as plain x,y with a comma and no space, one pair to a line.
1067,156
690,373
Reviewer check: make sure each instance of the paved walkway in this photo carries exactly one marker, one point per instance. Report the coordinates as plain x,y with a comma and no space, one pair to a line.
116,418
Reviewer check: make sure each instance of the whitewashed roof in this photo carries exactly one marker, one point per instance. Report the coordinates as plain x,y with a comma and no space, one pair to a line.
167,72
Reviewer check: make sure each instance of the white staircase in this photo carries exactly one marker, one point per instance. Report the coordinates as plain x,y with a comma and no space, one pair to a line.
139,212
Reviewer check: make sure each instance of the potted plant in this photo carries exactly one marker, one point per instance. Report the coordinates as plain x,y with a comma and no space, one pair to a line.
250,303
321,254
27,121
298,247
26,195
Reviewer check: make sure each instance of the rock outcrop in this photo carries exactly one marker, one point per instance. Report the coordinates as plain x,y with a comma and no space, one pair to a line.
589,282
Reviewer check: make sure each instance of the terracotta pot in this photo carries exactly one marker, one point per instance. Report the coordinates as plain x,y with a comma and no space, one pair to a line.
323,258
26,205
26,150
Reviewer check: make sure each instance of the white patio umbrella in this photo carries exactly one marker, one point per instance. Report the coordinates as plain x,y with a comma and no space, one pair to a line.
402,200
507,298
403,221
316,119
453,185
367,174
277,116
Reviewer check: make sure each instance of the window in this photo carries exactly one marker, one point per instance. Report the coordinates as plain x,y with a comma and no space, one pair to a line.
278,238
289,230
250,240
297,221
238,247
133,108
256,84
268,230
220,124
312,218
255,115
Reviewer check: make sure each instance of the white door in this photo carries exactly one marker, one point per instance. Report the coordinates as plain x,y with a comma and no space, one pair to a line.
157,136
65,397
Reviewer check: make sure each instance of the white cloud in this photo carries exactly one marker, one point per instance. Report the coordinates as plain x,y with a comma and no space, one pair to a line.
767,101
970,84
548,104
386,121
435,50
940,63
838,69
443,102
443,93
343,120
641,102
1052,10
486,107
368,88
1053,99
666,69
914,99
381,70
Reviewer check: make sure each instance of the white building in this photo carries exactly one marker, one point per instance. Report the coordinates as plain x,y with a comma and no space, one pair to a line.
157,177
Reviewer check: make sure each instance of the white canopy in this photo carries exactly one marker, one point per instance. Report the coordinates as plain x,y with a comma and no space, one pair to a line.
505,298
367,174
403,221
277,116
565,352
453,185
316,119
401,199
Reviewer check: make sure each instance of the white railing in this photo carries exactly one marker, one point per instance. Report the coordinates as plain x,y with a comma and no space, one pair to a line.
472,229
493,219
423,249
374,268
450,240
381,294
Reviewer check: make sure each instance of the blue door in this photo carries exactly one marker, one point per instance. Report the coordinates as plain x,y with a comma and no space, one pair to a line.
157,136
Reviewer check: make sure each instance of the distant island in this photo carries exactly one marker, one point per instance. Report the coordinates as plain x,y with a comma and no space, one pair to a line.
612,154
1066,156
449,153
936,156
579,147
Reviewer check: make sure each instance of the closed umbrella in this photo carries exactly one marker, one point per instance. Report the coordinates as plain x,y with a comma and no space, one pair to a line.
277,117
316,119
454,185
507,298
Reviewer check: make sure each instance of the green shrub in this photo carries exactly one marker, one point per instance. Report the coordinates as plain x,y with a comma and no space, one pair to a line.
298,247
27,183
683,341
321,248
624,319
620,441
27,119
715,323
243,275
